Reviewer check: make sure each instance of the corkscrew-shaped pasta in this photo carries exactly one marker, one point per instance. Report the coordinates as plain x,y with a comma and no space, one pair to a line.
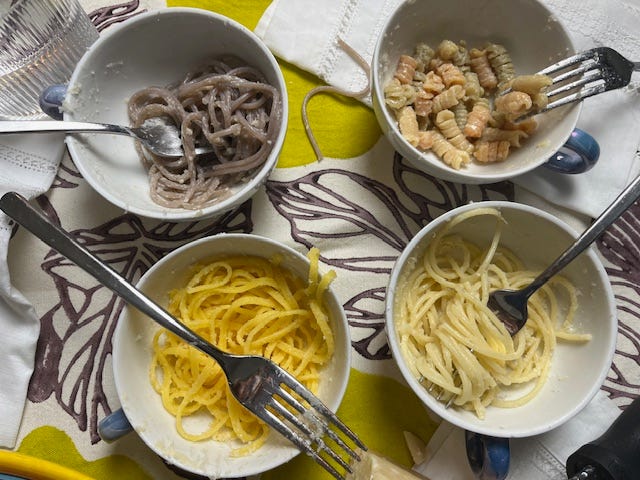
477,119
448,98
406,69
450,74
462,115
424,54
464,104
490,152
450,154
501,63
472,88
446,122
513,104
397,95
423,104
480,66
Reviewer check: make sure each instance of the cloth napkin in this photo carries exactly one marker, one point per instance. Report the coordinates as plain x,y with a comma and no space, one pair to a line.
542,457
305,33
29,165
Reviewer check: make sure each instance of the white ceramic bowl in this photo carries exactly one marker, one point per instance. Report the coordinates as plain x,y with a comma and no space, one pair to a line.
531,34
578,370
155,48
132,355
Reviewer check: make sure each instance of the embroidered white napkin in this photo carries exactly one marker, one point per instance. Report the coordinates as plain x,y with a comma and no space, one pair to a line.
542,457
29,165
305,33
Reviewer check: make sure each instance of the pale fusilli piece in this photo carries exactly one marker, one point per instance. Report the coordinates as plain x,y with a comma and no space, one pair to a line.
513,104
410,130
447,152
397,95
408,125
531,84
446,122
405,69
448,98
447,50
490,152
535,86
477,119
423,103
480,66
450,74
433,83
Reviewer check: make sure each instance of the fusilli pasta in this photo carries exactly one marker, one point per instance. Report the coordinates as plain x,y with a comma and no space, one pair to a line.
453,101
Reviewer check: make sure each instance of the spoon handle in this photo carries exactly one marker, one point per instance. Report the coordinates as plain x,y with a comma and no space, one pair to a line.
628,196
50,126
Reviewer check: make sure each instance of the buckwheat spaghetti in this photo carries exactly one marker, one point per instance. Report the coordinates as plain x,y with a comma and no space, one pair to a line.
243,305
226,104
455,344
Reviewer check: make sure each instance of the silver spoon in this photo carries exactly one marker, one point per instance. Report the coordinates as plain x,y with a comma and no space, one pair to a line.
511,305
155,134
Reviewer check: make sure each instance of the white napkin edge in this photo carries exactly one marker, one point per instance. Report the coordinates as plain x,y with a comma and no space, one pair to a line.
31,163
447,445
20,329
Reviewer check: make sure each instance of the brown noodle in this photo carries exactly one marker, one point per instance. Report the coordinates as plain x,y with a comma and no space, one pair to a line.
225,104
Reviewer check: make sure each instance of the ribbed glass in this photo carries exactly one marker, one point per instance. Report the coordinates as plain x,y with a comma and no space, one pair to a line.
41,42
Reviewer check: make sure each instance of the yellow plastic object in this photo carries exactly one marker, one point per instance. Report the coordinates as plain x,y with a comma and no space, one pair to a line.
33,468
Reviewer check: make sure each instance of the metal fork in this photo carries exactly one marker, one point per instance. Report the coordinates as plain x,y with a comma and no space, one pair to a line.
258,384
586,74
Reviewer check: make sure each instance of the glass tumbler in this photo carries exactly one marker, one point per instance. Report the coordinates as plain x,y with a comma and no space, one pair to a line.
41,42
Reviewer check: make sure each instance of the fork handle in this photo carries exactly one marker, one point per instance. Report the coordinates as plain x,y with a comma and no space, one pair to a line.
50,126
17,207
628,196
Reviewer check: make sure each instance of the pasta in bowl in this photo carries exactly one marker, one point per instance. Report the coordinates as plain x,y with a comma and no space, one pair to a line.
455,353
221,87
245,294
441,75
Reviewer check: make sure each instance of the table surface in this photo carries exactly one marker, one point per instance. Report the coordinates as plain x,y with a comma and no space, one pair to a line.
72,387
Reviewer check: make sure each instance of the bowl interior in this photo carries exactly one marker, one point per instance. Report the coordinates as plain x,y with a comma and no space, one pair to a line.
578,370
132,355
532,36
154,49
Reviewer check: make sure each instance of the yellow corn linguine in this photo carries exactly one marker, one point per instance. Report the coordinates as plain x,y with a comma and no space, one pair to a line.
455,345
242,305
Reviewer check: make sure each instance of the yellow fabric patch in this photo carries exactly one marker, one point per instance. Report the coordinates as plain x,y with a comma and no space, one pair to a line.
343,127
54,445
378,410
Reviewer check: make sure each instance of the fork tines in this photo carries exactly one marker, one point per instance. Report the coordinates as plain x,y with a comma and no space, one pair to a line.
583,75
309,429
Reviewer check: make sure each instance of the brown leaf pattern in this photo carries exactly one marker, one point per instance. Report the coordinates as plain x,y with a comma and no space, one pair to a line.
385,215
620,249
